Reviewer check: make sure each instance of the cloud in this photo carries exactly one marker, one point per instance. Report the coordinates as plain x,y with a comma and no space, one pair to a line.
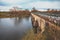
12,2
38,4
7,8
42,4
4,8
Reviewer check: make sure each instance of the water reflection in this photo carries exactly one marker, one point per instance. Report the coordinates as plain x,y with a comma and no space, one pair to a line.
14,28
4,22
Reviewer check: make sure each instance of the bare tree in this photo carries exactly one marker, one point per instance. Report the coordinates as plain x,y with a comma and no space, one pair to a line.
34,10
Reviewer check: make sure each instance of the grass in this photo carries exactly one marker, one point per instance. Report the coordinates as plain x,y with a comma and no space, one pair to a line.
32,36
48,34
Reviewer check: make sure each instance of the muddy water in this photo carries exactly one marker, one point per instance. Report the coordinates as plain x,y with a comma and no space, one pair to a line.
14,28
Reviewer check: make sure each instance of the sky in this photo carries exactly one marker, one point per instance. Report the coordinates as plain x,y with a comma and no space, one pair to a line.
29,4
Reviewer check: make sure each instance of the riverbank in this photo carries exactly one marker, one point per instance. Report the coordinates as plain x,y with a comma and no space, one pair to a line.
46,35
13,14
32,36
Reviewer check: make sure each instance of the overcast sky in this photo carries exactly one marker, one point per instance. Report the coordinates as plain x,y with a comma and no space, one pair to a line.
38,4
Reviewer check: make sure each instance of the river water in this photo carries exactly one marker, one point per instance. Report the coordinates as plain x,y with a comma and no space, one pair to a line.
14,28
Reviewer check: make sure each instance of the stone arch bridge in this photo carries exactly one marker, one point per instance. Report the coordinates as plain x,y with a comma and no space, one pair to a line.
46,24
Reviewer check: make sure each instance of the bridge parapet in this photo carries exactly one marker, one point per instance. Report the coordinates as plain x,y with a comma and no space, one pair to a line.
53,19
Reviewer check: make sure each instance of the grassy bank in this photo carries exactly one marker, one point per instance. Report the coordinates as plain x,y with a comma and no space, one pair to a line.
32,36
48,34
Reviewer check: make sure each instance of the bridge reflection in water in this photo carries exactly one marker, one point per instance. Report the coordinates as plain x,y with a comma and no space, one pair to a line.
14,28
45,25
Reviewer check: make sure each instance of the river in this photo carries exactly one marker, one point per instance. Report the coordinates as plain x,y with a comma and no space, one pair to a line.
14,28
